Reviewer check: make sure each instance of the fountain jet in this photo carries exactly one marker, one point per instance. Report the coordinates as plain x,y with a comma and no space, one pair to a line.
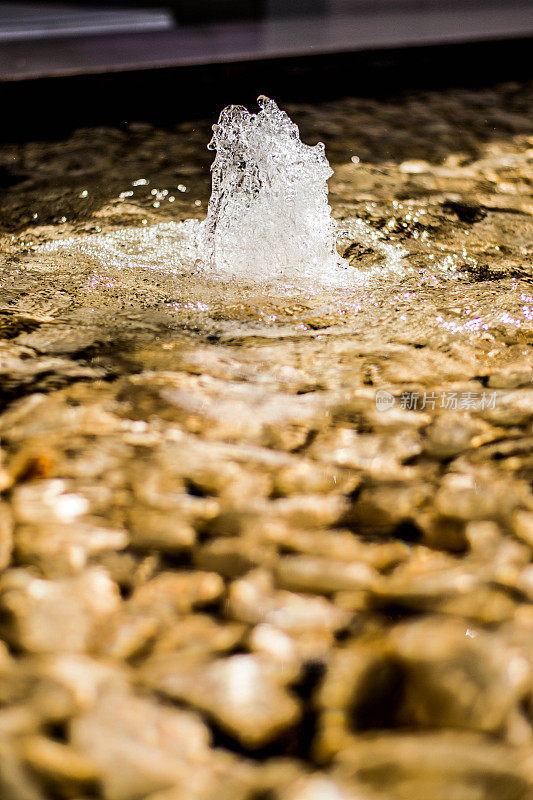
268,216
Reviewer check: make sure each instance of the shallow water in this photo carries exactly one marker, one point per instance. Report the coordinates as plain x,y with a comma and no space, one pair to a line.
205,499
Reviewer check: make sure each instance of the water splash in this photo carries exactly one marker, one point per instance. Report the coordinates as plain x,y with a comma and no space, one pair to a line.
268,216
268,226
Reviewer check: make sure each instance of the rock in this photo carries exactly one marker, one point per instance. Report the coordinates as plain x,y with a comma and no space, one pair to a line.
220,409
363,688
48,499
16,783
458,677
231,778
428,577
509,564
510,379
381,456
60,550
522,526
46,690
59,764
56,616
308,511
324,787
382,508
233,556
483,536
275,644
6,536
307,477
19,374
450,434
160,490
468,212
483,605
337,544
139,746
172,593
243,694
253,599
53,531
152,529
127,635
439,765
513,407
414,167
434,530
62,685
200,633
477,495
288,626
129,569
323,575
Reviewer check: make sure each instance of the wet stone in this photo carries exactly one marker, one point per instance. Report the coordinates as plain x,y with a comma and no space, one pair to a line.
458,676
60,764
46,616
233,556
323,576
6,535
138,746
362,688
289,625
522,526
339,545
200,633
244,694
449,435
270,542
415,767
382,508
176,593
324,787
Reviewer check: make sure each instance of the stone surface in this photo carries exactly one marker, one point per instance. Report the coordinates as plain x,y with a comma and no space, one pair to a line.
458,676
233,568
47,616
437,765
245,694
138,746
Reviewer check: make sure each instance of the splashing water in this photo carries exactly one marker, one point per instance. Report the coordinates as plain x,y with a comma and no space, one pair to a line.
268,222
268,215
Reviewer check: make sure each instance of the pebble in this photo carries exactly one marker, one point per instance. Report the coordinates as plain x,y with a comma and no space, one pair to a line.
322,575
435,765
458,676
140,746
244,694
176,593
57,616
6,535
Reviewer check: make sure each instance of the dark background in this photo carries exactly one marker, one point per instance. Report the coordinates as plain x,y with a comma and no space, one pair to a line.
50,86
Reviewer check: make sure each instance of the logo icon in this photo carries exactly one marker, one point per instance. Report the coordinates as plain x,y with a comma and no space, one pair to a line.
384,400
